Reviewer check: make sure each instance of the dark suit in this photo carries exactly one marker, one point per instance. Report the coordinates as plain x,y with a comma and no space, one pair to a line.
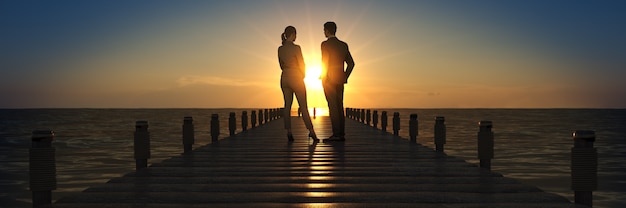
334,54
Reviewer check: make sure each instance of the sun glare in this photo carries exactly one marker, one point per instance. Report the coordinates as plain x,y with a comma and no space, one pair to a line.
312,77
315,91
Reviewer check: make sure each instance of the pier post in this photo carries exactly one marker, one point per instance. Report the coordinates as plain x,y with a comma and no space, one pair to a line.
42,167
260,117
396,123
253,119
440,133
215,127
352,113
266,115
584,167
485,144
188,134
269,114
375,119
383,121
232,123
363,116
348,115
368,116
357,114
413,130
244,121
142,145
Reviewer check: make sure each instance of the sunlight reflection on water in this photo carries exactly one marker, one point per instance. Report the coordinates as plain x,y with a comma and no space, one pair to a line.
532,145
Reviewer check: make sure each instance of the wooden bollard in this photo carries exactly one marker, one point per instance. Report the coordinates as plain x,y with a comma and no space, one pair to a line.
368,116
269,114
260,117
362,115
383,121
413,130
215,127
351,113
276,113
440,133
266,115
375,119
357,114
188,134
396,123
142,145
584,167
244,121
253,119
42,167
232,123
348,113
485,144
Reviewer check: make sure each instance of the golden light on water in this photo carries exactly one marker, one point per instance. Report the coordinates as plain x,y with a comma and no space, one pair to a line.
318,111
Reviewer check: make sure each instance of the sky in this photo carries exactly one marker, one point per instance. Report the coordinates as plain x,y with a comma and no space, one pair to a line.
223,54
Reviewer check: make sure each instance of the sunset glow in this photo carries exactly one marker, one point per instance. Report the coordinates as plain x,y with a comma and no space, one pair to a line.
312,78
222,54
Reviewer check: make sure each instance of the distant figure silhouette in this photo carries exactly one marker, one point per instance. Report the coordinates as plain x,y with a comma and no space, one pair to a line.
292,80
334,54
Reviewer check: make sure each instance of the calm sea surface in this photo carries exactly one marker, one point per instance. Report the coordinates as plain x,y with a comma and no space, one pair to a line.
94,145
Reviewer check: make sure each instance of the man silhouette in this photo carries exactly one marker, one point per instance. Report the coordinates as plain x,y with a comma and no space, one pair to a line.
334,54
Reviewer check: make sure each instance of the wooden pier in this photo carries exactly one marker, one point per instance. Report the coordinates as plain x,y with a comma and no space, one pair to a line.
259,168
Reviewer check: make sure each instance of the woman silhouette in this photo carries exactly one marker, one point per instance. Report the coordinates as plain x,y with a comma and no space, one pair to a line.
292,80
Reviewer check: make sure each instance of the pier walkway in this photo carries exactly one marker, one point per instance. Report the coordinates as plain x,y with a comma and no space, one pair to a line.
259,168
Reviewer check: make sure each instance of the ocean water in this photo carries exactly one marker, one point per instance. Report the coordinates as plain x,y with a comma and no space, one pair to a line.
94,145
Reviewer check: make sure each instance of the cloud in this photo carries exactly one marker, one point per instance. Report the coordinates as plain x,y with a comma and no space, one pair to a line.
218,81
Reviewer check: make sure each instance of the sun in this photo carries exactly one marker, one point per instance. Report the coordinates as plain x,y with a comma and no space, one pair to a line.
314,90
312,77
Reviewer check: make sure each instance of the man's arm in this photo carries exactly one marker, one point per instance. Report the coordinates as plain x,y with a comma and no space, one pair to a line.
350,63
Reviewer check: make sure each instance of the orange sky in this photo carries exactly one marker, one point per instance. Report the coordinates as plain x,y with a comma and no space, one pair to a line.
223,54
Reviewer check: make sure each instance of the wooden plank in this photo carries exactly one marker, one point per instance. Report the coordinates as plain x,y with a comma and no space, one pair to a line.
260,168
